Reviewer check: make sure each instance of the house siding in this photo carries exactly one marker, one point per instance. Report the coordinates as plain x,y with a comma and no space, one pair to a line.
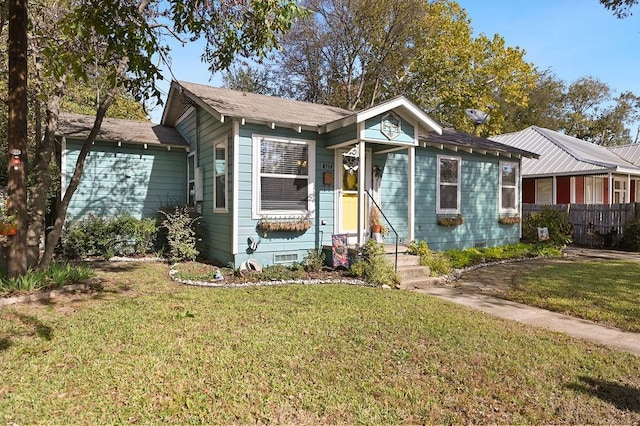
202,130
281,243
373,130
478,205
127,179
579,189
563,190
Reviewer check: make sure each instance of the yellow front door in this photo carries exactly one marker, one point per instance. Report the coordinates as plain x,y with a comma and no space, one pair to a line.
347,184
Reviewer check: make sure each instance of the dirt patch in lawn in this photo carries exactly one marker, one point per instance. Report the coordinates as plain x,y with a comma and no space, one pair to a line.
497,279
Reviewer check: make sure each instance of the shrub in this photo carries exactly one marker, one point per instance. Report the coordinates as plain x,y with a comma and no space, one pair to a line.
373,266
282,273
313,261
462,258
631,238
560,229
98,236
57,275
438,263
180,225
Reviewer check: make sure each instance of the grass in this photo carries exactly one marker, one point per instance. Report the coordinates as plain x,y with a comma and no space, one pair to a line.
607,292
146,350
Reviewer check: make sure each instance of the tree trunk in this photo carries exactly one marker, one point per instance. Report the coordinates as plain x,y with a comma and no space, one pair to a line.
42,177
61,214
17,135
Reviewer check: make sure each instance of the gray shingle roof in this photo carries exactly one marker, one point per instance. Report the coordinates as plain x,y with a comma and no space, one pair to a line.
563,155
117,130
262,108
466,141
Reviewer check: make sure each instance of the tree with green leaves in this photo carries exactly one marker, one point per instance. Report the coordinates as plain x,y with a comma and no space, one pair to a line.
620,8
127,40
348,53
354,54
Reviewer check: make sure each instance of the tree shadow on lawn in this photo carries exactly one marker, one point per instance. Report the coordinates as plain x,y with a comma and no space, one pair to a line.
624,397
34,327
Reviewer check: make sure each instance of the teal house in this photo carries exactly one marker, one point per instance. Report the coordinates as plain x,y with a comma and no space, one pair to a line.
274,178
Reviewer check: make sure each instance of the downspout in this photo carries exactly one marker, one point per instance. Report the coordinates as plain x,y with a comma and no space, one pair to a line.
411,190
234,200
361,199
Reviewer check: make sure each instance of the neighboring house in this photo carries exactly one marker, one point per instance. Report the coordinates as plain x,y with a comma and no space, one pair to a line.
256,163
571,170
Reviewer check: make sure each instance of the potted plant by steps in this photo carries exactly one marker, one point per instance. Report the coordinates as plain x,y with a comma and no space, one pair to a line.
378,230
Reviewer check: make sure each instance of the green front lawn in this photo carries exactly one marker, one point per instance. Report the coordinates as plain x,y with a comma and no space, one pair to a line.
146,350
607,292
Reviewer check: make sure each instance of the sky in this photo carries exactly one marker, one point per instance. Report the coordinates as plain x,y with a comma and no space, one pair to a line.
572,38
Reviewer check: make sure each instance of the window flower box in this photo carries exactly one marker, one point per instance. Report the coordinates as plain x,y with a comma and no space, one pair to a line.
284,224
509,220
450,220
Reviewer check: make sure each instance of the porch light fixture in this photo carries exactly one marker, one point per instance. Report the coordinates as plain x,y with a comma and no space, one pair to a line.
15,161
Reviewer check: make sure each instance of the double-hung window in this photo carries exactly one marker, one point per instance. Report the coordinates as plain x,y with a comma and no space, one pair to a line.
220,179
448,187
508,187
283,176
191,179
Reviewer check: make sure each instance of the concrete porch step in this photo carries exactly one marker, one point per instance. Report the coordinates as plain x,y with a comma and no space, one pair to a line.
416,271
420,283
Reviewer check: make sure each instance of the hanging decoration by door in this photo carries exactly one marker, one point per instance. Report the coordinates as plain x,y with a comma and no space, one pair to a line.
351,163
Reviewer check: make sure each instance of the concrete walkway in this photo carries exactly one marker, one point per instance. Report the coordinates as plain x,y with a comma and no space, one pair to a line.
575,327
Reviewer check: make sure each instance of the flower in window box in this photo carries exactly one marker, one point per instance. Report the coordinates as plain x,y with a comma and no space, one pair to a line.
451,221
509,220
300,224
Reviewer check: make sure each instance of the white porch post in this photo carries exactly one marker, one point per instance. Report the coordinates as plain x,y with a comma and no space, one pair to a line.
361,196
411,207
627,192
610,194
554,190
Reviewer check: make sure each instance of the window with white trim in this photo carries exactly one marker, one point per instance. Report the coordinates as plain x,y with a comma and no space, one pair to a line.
620,191
448,186
284,178
191,179
544,191
593,190
508,187
220,179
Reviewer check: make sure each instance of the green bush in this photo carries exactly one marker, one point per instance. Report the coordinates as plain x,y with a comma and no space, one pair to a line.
438,263
180,225
282,273
560,229
631,238
462,258
58,275
373,266
313,261
98,236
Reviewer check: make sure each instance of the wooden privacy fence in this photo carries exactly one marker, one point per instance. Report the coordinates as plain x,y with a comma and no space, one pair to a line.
594,224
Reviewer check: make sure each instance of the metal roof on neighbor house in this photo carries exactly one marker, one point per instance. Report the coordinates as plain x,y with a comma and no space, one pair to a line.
563,155
630,153
117,130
